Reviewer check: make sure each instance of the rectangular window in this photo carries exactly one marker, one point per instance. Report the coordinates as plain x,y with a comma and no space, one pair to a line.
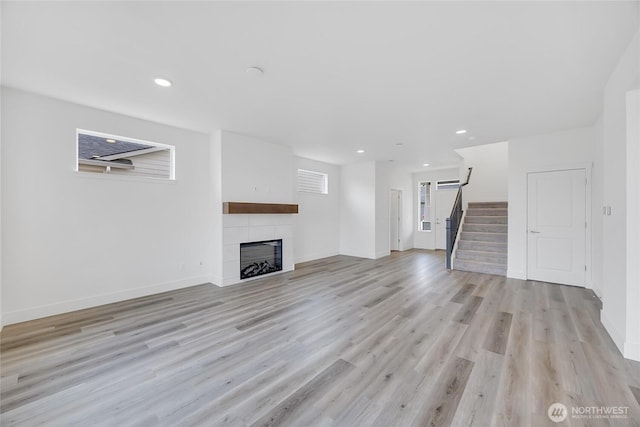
452,184
313,182
116,155
424,206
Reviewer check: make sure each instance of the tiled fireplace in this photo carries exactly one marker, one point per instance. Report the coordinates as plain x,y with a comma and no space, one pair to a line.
240,229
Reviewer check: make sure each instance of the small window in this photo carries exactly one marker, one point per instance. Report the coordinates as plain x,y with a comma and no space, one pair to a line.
424,206
313,182
452,184
117,155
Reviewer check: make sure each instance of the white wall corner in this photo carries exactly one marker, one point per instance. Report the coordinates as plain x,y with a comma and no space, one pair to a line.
382,254
216,280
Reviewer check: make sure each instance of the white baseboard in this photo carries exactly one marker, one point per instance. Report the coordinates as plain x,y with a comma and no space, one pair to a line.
516,275
616,336
38,312
314,257
382,254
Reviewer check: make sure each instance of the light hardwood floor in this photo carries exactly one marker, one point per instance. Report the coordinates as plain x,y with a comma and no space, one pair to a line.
339,342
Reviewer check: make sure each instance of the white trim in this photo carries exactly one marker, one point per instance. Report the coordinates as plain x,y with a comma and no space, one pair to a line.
125,178
588,280
632,350
516,274
400,218
314,257
97,300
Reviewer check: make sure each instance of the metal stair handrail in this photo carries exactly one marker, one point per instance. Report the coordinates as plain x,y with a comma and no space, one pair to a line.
453,222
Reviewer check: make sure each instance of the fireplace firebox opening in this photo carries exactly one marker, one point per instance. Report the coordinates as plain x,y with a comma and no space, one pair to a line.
258,258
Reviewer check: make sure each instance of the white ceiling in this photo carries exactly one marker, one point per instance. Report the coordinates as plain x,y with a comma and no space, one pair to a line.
338,76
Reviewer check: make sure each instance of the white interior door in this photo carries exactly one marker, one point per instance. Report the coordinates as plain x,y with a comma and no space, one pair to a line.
395,200
444,203
556,234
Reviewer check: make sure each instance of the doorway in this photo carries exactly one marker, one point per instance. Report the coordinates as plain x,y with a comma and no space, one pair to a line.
395,220
556,226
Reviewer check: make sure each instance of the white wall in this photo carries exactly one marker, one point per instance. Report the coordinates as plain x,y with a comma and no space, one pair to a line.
561,150
615,145
382,227
427,239
632,344
1,318
597,194
215,181
402,179
489,178
73,240
255,171
317,225
358,210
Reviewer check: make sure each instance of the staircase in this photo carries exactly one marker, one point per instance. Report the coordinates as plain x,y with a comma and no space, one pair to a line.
482,247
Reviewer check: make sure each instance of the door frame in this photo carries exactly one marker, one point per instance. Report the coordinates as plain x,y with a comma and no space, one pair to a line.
400,202
588,214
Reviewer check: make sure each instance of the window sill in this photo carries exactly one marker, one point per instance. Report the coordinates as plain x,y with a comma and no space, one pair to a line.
123,178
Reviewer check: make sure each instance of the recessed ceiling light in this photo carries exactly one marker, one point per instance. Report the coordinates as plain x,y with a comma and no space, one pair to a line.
461,131
426,164
360,151
162,82
111,141
254,71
